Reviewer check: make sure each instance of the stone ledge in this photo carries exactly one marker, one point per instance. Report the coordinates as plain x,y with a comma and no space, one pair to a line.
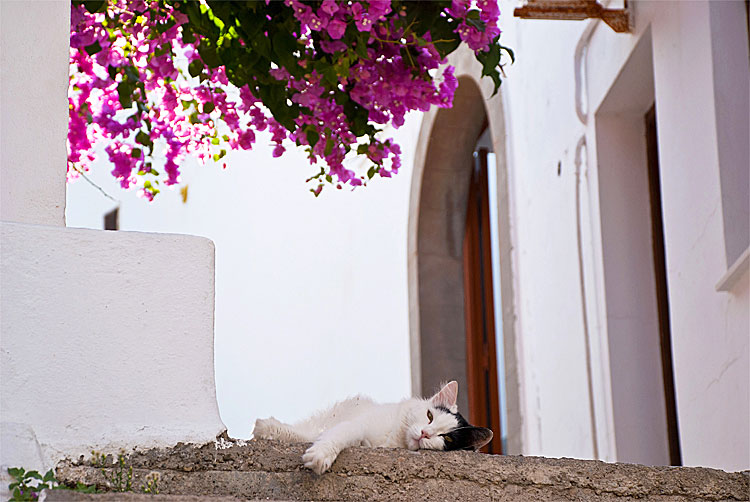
70,496
268,469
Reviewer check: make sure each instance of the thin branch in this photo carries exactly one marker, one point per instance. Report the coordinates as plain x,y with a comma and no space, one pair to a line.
94,184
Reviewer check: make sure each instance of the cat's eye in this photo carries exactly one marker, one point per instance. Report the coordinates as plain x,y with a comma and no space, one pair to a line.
429,416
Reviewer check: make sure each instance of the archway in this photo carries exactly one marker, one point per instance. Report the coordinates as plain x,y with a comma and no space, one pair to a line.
440,316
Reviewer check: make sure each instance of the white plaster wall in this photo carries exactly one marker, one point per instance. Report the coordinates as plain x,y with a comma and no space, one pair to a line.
106,342
311,293
709,328
106,339
34,42
542,131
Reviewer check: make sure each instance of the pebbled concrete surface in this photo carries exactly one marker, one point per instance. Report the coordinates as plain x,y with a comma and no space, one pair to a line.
261,469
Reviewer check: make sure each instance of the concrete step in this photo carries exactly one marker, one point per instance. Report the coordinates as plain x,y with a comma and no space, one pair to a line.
271,470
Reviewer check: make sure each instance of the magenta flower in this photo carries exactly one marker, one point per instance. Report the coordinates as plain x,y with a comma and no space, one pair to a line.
336,28
329,7
131,63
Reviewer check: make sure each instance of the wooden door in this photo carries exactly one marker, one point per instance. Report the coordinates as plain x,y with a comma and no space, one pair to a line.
481,359
662,292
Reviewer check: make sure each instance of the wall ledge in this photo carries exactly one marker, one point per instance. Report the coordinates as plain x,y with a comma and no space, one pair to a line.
261,469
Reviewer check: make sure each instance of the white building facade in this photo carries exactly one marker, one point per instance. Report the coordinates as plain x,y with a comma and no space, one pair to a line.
593,135
622,197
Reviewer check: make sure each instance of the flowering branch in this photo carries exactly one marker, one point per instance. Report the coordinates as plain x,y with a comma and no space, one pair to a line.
161,80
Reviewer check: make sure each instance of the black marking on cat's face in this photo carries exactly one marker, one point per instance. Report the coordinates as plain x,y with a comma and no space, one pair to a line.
465,436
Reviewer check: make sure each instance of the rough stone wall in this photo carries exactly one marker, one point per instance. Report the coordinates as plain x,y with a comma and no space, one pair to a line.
269,469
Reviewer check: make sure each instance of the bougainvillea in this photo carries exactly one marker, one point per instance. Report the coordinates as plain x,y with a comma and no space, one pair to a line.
153,82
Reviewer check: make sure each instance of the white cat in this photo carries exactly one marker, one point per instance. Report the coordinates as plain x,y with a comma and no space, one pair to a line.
430,424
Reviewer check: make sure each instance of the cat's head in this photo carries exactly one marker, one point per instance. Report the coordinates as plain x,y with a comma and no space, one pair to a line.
436,424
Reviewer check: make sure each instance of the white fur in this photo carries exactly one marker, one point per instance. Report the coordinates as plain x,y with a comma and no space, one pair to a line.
359,421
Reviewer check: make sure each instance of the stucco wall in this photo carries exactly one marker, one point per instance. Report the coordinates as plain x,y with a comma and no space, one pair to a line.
709,328
106,341
34,121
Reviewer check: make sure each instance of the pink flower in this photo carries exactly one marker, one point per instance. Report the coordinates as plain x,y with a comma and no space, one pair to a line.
246,139
329,7
183,114
336,28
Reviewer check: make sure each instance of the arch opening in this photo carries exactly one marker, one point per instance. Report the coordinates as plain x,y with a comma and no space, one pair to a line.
452,307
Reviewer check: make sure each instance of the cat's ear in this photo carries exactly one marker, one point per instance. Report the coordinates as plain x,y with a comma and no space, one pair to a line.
447,396
467,438
480,436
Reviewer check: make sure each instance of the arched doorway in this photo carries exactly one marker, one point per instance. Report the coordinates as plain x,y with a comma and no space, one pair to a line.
451,287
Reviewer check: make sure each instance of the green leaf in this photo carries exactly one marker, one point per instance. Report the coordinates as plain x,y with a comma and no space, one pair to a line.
132,73
495,76
371,172
80,487
208,107
188,35
16,472
93,48
136,153
215,141
426,17
510,53
34,475
208,53
262,45
94,6
360,46
125,94
330,76
329,147
284,45
195,68
490,60
312,137
143,139
357,116
49,476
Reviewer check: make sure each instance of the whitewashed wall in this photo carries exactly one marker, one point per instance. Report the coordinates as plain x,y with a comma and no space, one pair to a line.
709,328
34,119
106,340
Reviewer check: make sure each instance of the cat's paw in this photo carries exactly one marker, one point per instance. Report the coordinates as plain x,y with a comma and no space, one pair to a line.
320,456
266,428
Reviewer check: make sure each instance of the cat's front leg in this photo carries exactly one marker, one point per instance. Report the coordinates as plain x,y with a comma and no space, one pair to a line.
270,428
321,455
